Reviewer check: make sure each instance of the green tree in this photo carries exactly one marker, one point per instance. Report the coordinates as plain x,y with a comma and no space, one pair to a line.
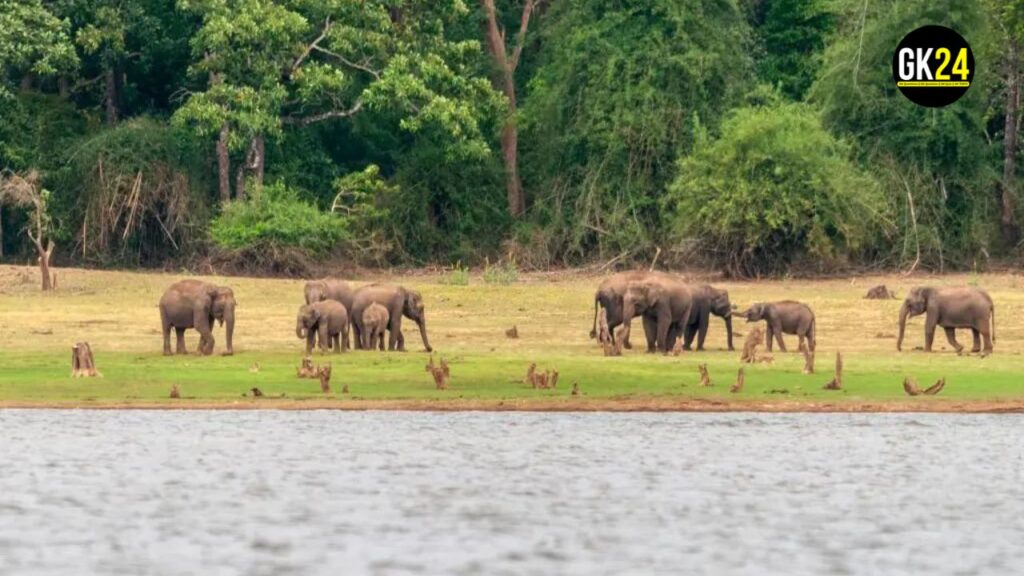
32,41
790,35
776,187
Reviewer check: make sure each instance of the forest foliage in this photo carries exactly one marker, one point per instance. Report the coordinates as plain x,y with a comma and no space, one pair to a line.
757,137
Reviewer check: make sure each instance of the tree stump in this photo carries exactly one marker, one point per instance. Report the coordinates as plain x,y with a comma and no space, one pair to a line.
82,363
575,389
808,358
324,374
175,393
439,373
307,369
750,345
739,382
512,332
836,383
705,378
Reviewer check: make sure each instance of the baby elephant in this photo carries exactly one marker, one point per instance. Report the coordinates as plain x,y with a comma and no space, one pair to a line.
375,322
785,317
328,319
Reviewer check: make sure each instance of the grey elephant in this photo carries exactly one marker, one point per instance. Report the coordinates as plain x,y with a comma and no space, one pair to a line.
399,302
326,320
375,324
951,308
329,289
707,300
196,304
609,297
783,317
664,303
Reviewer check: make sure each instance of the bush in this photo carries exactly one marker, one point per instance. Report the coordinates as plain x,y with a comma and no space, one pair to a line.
459,276
501,273
774,188
275,220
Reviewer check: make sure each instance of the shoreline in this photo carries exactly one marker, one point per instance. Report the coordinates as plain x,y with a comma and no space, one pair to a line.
581,405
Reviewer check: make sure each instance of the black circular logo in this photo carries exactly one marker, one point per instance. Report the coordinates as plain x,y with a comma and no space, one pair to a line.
933,66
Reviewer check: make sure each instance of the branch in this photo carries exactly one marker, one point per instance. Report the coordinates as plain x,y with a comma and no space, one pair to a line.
347,62
312,46
307,120
524,23
495,39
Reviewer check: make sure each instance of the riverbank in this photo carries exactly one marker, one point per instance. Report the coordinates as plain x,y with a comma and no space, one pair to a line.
116,313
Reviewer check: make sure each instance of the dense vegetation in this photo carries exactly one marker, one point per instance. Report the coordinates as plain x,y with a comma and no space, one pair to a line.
759,137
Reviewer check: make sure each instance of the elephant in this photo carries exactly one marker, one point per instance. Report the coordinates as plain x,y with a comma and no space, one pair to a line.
375,323
195,304
329,289
327,319
399,302
951,308
609,296
665,304
784,317
707,300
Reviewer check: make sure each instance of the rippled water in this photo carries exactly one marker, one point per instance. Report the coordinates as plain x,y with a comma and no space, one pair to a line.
269,492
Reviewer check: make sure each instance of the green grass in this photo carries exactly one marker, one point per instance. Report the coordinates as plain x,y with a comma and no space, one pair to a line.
116,312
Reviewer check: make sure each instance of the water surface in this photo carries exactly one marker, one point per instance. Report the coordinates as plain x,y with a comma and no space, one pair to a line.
277,492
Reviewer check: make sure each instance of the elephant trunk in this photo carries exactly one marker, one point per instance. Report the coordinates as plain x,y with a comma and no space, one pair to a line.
300,328
904,312
422,323
728,330
229,328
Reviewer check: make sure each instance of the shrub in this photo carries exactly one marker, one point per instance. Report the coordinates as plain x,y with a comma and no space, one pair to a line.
501,273
276,219
459,276
774,188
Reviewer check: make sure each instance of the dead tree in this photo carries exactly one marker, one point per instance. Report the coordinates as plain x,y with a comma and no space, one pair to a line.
808,358
82,363
512,332
441,373
531,374
705,378
754,338
27,190
739,382
554,378
836,383
307,369
936,388
575,388
324,374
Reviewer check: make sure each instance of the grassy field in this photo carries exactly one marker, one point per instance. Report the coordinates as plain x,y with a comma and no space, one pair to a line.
116,312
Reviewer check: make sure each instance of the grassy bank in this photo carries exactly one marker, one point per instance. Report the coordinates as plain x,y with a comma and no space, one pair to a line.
116,313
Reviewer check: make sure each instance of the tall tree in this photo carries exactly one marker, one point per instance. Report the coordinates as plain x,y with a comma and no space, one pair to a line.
32,41
296,63
1008,19
505,65
790,36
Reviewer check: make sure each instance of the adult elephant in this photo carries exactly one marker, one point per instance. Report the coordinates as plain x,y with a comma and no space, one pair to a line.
665,304
707,300
399,302
609,296
196,304
951,308
329,289
784,317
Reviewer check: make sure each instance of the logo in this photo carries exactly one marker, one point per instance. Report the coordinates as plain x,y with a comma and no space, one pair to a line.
933,66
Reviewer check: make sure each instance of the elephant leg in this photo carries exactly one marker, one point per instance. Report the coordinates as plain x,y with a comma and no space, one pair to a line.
166,327
336,341
702,332
977,340
180,341
951,336
769,337
929,333
310,341
395,329
651,332
688,333
323,336
778,337
987,337
401,341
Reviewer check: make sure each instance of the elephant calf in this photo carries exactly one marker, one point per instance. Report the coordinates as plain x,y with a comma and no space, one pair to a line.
784,317
196,304
326,318
375,322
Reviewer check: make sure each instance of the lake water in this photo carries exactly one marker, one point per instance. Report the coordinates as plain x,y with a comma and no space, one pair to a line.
269,492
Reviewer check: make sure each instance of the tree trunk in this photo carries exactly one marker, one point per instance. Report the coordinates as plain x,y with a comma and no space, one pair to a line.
510,154
259,160
27,81
44,263
1,232
111,95
252,164
1008,202
240,180
82,362
224,164
63,87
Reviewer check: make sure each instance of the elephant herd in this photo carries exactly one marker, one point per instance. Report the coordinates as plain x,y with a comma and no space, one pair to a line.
671,309
335,314
340,317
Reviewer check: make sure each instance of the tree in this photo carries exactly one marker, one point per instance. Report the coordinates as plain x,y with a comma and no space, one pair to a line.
32,41
505,65
272,65
1008,18
791,36
18,190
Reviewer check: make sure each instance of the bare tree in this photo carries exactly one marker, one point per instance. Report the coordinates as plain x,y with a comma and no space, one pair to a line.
505,67
18,190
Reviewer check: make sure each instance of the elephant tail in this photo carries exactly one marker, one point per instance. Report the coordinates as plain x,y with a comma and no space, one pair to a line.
812,336
593,330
